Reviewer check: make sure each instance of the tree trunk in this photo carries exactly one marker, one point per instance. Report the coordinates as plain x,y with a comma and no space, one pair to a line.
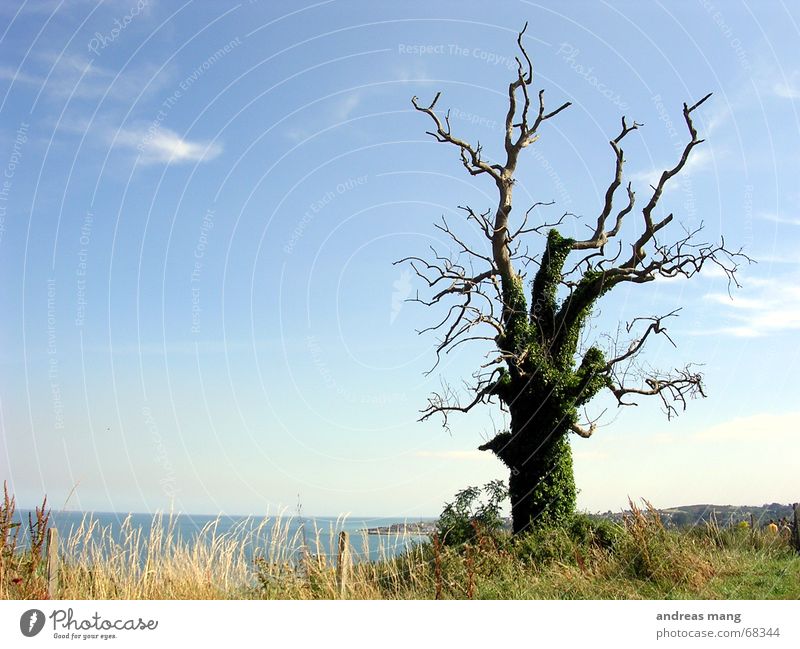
542,483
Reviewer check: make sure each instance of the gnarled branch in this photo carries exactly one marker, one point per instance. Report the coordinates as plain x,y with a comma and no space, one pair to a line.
600,235
674,389
470,156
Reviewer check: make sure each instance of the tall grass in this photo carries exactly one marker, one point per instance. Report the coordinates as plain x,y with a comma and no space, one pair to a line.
131,563
272,558
21,568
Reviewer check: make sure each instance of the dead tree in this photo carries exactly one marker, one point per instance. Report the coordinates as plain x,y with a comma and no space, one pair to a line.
537,369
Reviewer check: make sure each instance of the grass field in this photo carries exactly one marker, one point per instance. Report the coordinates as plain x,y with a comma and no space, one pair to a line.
587,559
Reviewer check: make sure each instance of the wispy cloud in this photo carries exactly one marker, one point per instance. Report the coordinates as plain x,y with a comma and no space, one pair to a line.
151,144
7,73
775,257
717,116
788,87
700,160
774,307
414,70
770,426
780,218
345,106
297,134
710,273
339,110
647,177
75,76
163,146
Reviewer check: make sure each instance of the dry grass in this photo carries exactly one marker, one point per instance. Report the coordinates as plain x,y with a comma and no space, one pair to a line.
20,568
157,564
272,559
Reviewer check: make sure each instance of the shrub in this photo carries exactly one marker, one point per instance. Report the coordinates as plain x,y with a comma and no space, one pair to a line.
597,532
543,545
579,535
468,516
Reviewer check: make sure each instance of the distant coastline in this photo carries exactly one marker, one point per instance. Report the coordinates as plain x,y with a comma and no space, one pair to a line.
684,516
417,528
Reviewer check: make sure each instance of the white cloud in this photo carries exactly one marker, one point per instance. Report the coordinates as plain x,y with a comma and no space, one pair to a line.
152,145
730,460
780,218
788,88
775,258
414,70
75,76
645,177
7,73
699,160
719,115
770,426
297,134
163,146
735,303
341,109
774,308
345,106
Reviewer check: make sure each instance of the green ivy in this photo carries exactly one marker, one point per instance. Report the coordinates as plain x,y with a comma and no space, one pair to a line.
555,496
517,329
542,386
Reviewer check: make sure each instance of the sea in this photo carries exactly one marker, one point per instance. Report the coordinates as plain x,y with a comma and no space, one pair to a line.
296,536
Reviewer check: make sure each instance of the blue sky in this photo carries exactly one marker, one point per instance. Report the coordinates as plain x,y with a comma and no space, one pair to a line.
201,203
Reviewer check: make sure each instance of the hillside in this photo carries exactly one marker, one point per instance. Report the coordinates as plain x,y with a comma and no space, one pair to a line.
690,515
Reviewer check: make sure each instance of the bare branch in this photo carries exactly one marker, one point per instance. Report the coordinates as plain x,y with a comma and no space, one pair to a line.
470,156
484,290
673,389
482,219
531,135
655,327
651,228
600,236
477,293
685,257
542,228
447,401
527,134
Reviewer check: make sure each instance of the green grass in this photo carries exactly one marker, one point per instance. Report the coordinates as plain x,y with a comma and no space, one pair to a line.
769,578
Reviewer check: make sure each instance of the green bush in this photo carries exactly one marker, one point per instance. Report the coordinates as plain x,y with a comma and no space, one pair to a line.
576,536
543,545
469,516
598,532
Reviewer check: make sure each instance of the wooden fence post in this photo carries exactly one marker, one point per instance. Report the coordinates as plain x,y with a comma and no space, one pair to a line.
52,562
343,563
796,527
